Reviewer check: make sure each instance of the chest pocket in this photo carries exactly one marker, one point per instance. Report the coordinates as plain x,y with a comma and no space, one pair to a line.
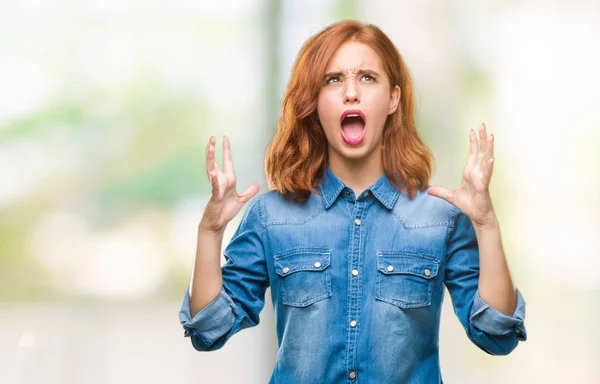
405,279
304,276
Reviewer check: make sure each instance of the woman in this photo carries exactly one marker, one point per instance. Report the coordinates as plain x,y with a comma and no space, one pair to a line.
356,246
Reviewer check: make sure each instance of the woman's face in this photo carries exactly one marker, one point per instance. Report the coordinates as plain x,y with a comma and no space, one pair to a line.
354,103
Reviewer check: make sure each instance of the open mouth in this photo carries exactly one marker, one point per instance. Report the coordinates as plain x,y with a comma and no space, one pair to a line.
353,126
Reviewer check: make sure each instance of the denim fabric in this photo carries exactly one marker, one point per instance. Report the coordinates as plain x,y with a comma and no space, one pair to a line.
357,285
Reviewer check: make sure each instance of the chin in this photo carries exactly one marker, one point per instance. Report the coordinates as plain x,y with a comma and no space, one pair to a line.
354,153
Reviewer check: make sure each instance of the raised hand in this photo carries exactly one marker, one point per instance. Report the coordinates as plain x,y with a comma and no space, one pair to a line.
224,202
472,196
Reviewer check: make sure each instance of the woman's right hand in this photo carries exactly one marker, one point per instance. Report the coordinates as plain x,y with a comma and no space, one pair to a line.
224,202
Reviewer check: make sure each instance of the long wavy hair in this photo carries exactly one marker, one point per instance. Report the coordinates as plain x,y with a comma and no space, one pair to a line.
296,157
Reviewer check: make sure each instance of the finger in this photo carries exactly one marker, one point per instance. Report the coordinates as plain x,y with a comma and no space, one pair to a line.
209,162
481,160
473,142
473,150
442,193
211,141
487,176
488,154
249,193
482,138
490,147
227,160
214,182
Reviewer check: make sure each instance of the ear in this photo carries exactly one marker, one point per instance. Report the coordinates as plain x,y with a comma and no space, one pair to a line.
394,100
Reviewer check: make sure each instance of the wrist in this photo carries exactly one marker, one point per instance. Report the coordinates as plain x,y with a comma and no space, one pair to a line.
203,226
490,223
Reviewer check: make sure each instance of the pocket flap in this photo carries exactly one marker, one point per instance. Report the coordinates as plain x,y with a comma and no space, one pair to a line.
301,260
407,264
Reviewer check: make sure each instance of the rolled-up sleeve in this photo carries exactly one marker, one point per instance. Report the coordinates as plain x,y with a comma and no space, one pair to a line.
493,322
241,299
212,322
489,329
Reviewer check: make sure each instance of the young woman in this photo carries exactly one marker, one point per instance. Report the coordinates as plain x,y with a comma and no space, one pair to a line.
354,243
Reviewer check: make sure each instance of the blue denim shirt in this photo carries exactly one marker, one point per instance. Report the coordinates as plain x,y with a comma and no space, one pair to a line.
357,284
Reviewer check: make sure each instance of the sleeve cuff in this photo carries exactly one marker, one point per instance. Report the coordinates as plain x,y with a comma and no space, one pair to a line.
212,322
494,322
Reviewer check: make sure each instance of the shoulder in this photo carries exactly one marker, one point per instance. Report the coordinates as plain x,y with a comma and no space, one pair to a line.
273,208
424,210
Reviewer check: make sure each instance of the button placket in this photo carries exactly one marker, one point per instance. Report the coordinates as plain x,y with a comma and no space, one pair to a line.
354,284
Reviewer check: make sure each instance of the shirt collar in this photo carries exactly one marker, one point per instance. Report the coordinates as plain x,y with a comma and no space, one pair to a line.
331,186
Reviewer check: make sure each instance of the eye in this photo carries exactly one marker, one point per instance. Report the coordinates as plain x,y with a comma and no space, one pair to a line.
331,79
368,78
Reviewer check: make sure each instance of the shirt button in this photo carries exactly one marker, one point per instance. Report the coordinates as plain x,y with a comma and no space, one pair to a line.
366,194
317,264
347,192
390,268
352,375
357,221
427,272
353,323
354,272
286,270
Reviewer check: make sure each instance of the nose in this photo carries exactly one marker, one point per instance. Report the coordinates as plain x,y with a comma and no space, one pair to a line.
351,94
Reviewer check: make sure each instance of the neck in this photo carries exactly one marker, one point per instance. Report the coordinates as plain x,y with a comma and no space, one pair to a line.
357,174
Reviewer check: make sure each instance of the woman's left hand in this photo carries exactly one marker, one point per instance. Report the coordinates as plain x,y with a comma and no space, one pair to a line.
472,196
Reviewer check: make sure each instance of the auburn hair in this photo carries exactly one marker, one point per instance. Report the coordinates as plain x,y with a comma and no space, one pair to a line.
296,157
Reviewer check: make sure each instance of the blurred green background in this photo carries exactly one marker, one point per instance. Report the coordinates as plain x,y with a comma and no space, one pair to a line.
105,111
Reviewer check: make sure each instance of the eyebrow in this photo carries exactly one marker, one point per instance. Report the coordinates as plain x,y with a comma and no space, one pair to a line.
363,71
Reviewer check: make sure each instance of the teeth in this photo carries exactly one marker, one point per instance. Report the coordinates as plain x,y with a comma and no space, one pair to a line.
352,115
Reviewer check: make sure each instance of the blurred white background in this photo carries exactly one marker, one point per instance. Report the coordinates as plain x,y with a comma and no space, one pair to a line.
105,111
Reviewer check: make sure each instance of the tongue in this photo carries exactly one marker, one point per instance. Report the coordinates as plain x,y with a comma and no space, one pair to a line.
353,127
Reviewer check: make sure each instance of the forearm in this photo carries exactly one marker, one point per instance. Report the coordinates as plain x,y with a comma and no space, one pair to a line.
207,279
495,283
